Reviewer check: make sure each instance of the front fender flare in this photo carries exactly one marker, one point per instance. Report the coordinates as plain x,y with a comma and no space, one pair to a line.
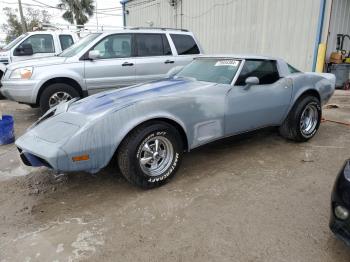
154,116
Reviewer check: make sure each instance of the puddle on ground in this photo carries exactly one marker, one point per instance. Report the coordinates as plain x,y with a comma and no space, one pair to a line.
18,171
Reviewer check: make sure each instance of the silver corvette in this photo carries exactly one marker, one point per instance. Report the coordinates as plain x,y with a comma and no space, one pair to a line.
146,128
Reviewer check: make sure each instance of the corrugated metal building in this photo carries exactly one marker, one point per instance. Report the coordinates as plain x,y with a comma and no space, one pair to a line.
291,29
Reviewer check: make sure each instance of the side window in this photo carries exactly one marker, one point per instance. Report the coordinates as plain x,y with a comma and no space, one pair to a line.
152,45
115,46
265,70
292,69
41,43
66,41
185,44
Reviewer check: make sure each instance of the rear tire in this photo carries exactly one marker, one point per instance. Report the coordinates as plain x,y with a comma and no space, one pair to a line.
303,120
59,92
147,163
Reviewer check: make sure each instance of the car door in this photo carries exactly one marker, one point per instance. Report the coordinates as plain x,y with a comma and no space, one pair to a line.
43,46
256,106
153,57
115,66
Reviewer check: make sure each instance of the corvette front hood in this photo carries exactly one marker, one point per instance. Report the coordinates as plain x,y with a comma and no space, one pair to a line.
125,96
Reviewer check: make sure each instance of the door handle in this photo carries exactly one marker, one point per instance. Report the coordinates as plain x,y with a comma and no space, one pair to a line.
169,62
127,64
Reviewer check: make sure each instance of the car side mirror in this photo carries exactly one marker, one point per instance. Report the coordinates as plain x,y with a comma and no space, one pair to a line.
251,81
94,54
23,50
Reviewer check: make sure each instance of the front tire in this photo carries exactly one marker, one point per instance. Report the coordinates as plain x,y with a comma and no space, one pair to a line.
55,94
303,120
150,155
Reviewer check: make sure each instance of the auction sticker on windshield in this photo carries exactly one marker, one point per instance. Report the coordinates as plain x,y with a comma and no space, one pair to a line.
227,62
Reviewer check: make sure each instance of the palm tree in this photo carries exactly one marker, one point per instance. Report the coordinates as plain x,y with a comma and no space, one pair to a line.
77,11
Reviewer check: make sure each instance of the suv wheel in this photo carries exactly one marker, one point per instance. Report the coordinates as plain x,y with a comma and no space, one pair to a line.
303,120
55,94
150,155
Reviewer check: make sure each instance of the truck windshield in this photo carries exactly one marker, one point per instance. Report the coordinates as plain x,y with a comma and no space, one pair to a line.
80,45
216,70
13,42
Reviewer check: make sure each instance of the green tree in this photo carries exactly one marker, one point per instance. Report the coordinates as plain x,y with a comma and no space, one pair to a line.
77,12
13,26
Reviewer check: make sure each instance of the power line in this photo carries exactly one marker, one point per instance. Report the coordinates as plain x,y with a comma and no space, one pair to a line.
139,3
109,8
45,4
101,9
25,4
50,6
143,7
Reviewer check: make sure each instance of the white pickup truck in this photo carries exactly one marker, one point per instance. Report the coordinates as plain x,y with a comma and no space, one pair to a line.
35,45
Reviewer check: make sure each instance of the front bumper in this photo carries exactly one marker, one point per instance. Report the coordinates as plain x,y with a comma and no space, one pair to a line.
32,160
340,229
35,151
53,141
24,91
32,147
341,197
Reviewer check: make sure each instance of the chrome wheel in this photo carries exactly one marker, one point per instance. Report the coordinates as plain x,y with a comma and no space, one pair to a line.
59,97
156,155
309,119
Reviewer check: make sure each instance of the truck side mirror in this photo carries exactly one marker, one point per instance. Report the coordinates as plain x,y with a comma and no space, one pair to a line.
23,50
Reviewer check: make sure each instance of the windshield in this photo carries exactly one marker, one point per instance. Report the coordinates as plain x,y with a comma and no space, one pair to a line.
221,71
80,45
14,42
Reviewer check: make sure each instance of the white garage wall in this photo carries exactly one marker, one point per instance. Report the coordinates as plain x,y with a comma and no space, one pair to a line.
339,24
283,28
142,12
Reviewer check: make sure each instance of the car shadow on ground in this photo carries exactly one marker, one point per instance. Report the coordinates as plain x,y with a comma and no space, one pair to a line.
110,181
88,191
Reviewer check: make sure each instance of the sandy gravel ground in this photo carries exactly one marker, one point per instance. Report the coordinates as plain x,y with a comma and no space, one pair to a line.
252,198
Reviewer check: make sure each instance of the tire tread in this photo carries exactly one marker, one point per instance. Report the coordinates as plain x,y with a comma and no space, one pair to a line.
45,95
288,129
123,156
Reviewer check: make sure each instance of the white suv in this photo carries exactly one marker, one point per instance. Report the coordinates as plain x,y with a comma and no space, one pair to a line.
35,45
98,62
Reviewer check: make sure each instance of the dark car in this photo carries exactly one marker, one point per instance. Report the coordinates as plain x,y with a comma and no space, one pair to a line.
340,213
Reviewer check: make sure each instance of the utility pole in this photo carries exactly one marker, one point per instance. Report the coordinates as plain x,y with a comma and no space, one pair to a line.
96,16
24,25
